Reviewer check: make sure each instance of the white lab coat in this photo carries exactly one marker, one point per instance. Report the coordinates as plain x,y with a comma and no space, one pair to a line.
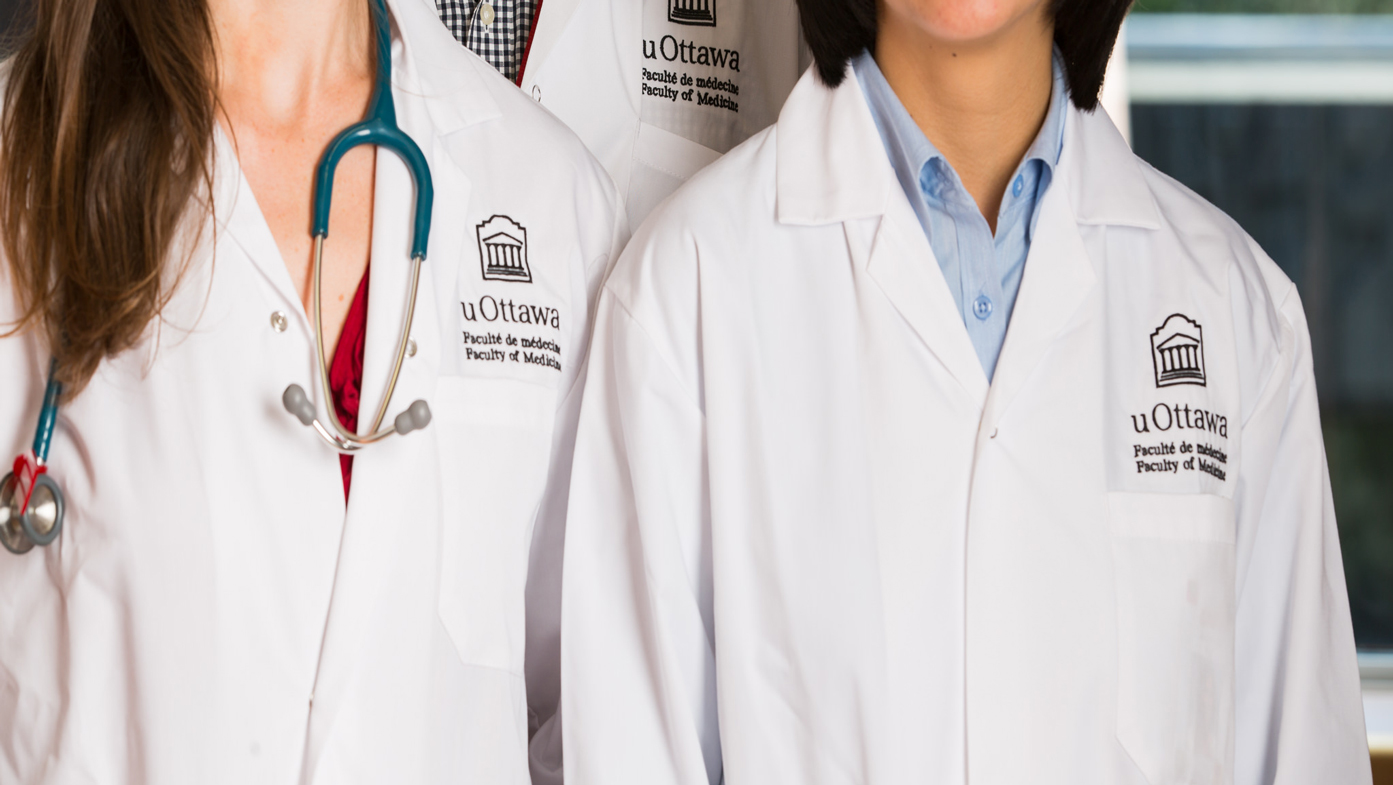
211,612
802,522
631,82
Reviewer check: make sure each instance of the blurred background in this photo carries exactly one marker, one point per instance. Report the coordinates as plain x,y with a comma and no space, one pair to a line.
1281,113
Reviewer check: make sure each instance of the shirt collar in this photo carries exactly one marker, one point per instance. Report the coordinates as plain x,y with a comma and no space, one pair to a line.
829,170
910,151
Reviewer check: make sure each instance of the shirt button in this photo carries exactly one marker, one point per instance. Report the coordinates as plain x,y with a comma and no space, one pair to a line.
486,14
279,322
1018,186
982,307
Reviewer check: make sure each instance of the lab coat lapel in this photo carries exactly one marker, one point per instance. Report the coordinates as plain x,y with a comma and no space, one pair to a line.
902,263
1098,183
1058,279
373,537
553,17
832,167
240,217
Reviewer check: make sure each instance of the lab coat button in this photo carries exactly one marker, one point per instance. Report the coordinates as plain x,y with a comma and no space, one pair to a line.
537,93
982,307
279,322
411,347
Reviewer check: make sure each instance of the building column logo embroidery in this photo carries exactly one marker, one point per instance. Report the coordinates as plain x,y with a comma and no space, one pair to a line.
503,250
692,12
1177,352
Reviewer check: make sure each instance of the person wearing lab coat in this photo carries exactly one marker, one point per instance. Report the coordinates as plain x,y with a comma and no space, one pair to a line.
872,488
221,606
657,89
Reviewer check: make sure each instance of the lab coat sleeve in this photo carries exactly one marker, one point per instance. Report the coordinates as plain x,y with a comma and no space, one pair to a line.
543,666
1299,711
638,669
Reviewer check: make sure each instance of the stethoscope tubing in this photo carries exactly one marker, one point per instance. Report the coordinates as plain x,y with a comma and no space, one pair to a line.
379,129
343,439
48,415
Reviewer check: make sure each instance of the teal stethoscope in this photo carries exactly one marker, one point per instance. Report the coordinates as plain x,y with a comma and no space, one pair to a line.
31,503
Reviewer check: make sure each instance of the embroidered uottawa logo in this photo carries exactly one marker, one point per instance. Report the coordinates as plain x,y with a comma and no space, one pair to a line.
692,12
503,250
1177,352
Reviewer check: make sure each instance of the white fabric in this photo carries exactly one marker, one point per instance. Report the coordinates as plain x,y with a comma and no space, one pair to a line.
809,543
587,65
211,612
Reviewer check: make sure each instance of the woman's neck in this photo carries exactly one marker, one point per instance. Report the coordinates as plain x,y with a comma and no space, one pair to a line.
281,60
981,102
292,74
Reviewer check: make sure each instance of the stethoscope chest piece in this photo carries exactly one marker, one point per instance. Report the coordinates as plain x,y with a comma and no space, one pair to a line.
12,534
37,522
31,503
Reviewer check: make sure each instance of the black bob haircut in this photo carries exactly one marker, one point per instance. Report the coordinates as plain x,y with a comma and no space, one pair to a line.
1084,31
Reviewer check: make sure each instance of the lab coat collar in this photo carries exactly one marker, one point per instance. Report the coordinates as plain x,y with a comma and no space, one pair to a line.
832,167
434,66
550,26
1104,179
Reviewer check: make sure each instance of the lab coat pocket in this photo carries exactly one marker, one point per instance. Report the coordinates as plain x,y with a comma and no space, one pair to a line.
495,443
1173,560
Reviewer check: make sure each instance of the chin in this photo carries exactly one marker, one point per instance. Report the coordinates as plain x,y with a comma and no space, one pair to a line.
963,21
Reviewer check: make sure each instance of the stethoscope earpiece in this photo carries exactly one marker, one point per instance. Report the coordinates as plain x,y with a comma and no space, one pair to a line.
416,417
298,404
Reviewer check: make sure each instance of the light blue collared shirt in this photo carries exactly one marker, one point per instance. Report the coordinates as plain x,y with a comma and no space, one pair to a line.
983,272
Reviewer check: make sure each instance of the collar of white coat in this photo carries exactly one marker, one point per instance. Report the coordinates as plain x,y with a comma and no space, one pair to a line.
832,166
433,66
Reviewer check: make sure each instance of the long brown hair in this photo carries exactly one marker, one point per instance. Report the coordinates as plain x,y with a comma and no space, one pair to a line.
106,141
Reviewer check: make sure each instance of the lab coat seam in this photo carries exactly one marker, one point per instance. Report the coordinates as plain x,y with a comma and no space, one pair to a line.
668,364
618,239
1287,329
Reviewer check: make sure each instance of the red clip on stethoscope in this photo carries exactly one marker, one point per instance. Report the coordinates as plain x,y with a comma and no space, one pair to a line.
31,505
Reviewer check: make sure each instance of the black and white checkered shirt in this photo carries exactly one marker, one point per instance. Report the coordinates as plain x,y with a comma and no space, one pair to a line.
502,40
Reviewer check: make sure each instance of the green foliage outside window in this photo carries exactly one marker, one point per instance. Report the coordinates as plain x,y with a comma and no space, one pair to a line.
1264,6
